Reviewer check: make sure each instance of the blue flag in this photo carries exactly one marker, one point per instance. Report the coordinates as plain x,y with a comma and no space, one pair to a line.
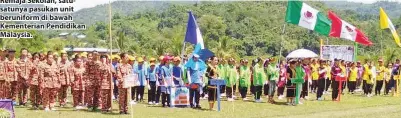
205,54
193,34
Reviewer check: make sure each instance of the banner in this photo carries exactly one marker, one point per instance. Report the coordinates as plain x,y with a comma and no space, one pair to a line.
344,52
6,109
179,96
131,81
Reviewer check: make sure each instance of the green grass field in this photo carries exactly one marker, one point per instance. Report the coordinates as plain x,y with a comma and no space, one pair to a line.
351,106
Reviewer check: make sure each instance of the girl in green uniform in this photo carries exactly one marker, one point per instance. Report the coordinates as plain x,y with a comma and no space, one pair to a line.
258,79
244,79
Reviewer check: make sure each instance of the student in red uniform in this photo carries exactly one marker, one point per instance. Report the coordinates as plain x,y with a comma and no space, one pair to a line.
335,71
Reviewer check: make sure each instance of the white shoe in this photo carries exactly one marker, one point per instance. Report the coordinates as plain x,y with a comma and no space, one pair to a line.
258,101
245,99
156,103
150,103
47,109
300,102
53,109
230,99
234,96
114,97
306,97
132,102
223,95
280,97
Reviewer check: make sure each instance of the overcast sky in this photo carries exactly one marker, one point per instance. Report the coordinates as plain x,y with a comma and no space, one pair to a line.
79,4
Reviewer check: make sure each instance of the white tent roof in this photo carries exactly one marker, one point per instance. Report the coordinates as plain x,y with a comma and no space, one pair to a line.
90,50
302,53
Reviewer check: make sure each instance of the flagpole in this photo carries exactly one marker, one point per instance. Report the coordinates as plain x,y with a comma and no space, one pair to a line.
355,51
111,53
281,42
321,48
381,42
183,50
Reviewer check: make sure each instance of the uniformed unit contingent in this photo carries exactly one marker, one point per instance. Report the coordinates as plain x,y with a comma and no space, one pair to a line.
94,80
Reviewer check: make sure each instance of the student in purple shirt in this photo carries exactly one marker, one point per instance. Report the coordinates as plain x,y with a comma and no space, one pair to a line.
177,72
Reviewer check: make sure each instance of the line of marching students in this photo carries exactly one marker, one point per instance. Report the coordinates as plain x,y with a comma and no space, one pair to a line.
92,78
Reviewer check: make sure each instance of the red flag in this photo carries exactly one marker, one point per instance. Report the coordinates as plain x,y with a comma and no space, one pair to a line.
342,29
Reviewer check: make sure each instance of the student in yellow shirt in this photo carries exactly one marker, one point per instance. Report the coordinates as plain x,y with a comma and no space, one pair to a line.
328,76
315,75
352,75
381,72
365,76
387,78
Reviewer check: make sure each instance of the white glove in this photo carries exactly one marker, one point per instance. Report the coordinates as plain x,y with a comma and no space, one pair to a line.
203,84
116,83
149,87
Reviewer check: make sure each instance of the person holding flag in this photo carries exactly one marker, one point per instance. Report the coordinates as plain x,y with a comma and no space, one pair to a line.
195,68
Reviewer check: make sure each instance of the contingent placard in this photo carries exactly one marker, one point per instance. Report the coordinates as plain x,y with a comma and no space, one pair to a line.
131,81
344,52
179,96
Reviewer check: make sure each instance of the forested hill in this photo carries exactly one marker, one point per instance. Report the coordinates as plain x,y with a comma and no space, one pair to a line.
393,9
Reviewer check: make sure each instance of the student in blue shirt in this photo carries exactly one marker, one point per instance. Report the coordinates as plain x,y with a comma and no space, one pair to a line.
115,65
177,72
166,81
159,79
141,70
196,69
151,79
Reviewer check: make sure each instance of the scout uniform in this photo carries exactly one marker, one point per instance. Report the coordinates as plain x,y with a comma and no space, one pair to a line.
244,81
77,85
122,71
105,76
33,81
65,81
12,77
49,79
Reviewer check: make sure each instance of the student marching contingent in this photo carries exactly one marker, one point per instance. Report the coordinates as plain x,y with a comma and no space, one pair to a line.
47,77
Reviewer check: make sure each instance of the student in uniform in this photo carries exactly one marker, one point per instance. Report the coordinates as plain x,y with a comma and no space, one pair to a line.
115,63
335,71
195,70
3,85
64,78
77,83
151,79
380,76
315,75
33,81
259,79
123,70
328,76
291,87
307,78
139,90
366,72
273,75
370,80
177,72
282,80
166,77
244,79
388,78
12,76
352,77
321,81
159,79
230,79
105,76
222,70
49,74
23,74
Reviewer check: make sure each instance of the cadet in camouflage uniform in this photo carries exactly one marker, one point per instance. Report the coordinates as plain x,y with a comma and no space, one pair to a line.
23,70
123,70
33,81
64,78
49,79
77,72
3,85
105,80
93,89
12,76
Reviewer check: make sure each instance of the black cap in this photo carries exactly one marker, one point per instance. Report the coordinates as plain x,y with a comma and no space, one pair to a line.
10,50
103,56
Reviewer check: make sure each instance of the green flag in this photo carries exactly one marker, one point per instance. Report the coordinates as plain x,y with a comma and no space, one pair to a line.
305,16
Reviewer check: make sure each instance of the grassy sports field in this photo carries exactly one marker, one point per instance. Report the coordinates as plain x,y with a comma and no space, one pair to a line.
351,106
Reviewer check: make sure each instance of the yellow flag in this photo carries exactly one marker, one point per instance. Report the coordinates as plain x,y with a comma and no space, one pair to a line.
385,23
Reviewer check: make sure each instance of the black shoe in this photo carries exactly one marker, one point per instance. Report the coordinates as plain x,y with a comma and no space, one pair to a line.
198,107
126,112
121,112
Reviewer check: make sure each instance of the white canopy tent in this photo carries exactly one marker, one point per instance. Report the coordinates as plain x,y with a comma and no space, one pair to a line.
302,53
